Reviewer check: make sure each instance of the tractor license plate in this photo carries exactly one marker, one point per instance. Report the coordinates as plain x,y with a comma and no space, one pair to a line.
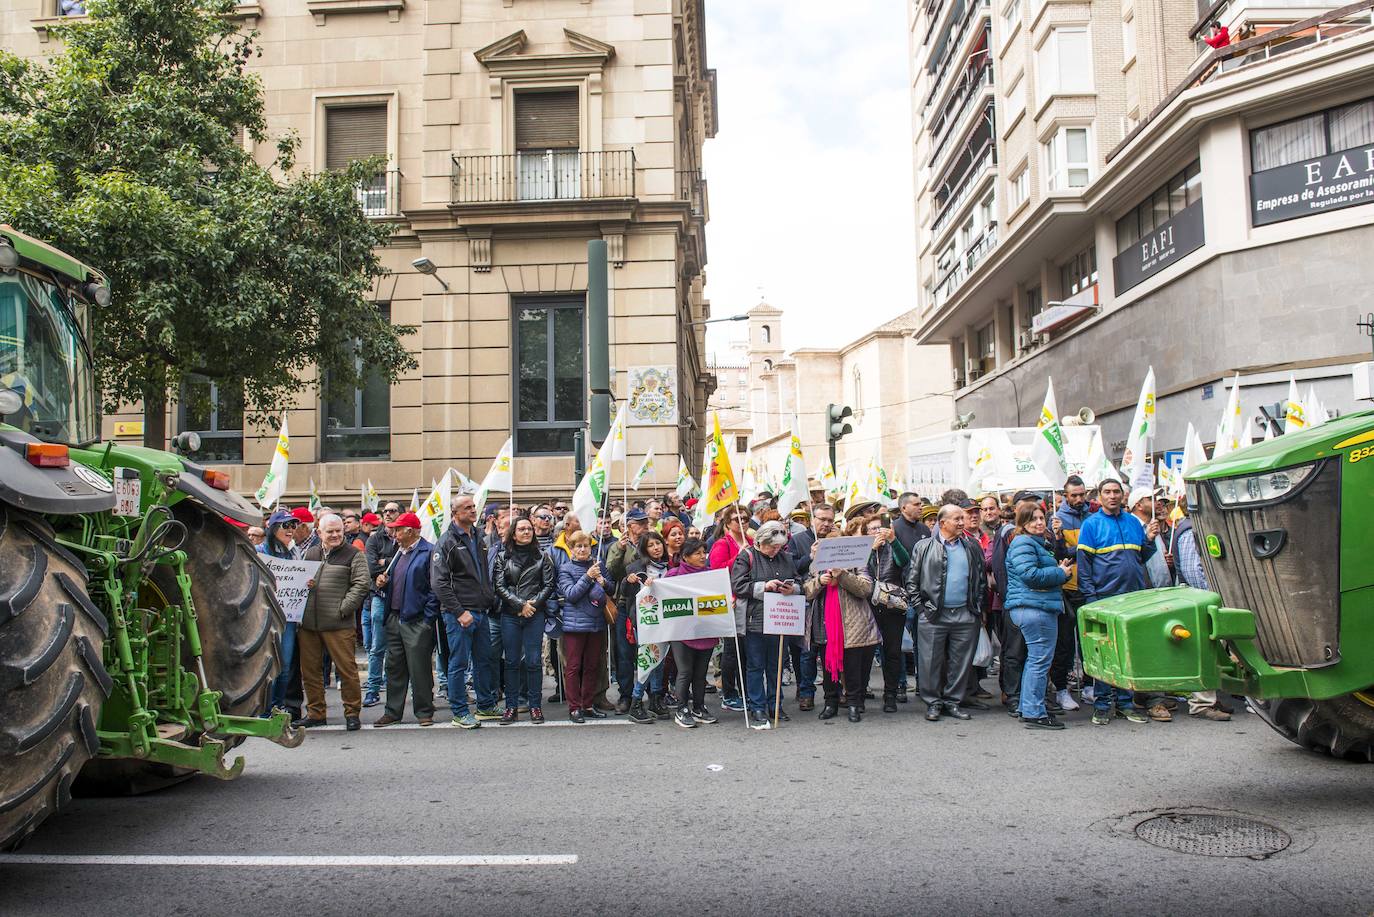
128,488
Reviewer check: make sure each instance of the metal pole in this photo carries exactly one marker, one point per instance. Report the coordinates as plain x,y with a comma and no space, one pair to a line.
598,339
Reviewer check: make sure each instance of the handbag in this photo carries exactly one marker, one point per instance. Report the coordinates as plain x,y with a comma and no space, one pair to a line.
889,597
610,610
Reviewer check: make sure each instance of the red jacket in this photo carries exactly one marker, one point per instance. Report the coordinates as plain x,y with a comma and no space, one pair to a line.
1220,39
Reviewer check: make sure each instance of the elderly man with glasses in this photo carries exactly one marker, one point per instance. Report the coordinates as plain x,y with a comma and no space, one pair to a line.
381,548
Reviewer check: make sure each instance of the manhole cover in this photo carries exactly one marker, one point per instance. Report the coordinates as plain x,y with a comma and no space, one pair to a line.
1213,835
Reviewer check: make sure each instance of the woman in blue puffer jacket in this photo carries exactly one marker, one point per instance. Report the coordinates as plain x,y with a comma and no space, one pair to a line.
584,588
1035,600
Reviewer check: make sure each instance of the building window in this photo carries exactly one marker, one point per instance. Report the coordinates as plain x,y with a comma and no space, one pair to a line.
1011,18
1018,186
547,137
352,133
216,414
768,366
1016,99
1311,136
986,354
1128,38
1067,160
741,444
767,334
550,391
357,423
1064,63
1078,273
1035,304
1167,201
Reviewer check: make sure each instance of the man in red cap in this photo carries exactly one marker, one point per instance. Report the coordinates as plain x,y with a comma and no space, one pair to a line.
306,537
411,610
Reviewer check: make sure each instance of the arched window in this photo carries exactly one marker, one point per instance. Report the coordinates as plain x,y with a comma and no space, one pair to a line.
768,366
767,335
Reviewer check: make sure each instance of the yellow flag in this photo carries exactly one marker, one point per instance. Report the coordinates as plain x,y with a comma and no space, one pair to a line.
718,479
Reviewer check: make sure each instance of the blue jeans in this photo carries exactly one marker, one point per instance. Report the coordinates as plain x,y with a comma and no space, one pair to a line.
1041,631
760,673
655,682
374,638
803,667
471,645
522,639
288,653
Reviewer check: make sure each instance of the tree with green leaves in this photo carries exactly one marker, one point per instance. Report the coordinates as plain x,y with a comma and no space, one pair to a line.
127,150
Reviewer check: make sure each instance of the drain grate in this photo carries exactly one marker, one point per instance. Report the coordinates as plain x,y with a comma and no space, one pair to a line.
1213,835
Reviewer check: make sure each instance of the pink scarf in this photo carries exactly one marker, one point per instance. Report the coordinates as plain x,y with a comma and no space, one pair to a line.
834,633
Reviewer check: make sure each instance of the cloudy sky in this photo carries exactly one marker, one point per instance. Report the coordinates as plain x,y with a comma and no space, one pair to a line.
810,172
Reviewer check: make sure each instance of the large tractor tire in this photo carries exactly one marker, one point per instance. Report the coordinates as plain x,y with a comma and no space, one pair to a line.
1342,727
52,680
241,626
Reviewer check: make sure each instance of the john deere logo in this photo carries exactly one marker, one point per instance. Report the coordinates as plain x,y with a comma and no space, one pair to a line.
676,608
1214,546
712,605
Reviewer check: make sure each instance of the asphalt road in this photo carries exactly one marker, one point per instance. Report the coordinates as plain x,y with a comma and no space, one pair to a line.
890,816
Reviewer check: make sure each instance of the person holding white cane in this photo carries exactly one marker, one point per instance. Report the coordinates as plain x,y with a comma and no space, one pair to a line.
764,567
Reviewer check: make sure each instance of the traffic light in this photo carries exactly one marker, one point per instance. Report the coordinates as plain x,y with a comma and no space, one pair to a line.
836,426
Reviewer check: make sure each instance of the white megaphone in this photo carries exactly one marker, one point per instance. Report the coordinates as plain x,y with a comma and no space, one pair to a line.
1086,416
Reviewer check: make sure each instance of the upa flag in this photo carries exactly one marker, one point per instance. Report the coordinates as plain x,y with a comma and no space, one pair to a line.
1047,449
435,512
1193,452
315,502
1134,463
648,656
793,491
617,436
645,469
747,488
499,477
274,484
415,500
466,485
685,482
1229,435
1316,413
718,478
829,483
981,459
591,490
370,497
1295,412
1098,467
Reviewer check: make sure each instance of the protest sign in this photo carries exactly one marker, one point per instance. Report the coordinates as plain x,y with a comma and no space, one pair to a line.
842,553
784,614
686,607
292,576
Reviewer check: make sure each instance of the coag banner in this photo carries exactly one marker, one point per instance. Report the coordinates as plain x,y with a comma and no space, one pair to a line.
686,607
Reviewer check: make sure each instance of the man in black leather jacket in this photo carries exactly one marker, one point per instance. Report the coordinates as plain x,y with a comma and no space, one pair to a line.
462,581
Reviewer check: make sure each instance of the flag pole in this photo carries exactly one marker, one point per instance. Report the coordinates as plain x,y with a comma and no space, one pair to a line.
739,654
777,697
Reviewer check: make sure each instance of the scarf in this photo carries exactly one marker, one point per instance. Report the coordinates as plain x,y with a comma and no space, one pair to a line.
834,633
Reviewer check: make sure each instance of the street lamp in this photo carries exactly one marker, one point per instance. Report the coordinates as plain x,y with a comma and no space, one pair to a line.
425,266
731,318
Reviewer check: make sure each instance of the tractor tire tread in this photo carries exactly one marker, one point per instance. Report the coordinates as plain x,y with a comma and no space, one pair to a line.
1342,727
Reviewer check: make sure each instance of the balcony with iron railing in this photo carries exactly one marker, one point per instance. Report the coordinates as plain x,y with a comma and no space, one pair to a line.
691,187
974,86
964,187
380,197
543,175
957,274
976,12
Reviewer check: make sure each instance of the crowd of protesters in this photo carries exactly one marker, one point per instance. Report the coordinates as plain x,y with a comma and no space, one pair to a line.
955,593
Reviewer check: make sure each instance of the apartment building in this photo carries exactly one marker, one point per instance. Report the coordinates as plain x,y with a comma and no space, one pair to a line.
1063,231
514,132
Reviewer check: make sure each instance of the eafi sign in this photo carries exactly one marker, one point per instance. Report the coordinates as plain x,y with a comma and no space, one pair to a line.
1152,253
1299,189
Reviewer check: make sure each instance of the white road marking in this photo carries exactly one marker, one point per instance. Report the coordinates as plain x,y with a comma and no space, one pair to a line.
490,724
32,859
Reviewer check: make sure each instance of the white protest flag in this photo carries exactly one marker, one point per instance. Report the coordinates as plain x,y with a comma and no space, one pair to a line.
1135,461
1231,422
646,468
415,500
1193,453
1295,412
466,485
591,490
748,487
274,484
1098,467
617,435
794,490
315,502
1268,431
371,499
1047,449
1316,413
436,511
498,477
701,518
1222,446
686,608
981,459
686,484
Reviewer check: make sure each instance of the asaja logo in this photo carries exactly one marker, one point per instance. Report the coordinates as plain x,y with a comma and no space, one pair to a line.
677,608
712,605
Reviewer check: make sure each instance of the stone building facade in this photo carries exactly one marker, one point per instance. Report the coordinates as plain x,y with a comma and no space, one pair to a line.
1136,184
514,132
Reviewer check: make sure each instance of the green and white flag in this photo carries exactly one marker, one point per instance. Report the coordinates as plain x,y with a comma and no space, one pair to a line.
436,511
648,656
1047,449
591,490
274,484
315,502
645,469
686,484
499,476
1135,463
794,490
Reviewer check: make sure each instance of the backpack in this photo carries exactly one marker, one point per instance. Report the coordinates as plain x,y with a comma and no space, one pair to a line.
999,559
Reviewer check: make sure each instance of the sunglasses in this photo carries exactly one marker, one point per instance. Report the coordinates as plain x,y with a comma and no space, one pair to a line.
391,512
289,525
560,509
544,517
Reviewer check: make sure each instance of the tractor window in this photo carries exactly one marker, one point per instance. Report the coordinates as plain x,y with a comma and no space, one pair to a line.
44,365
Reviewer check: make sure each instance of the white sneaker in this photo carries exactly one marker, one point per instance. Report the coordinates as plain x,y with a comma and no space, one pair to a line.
1065,699
1086,694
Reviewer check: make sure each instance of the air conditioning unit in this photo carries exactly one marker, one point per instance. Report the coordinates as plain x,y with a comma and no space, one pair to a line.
1029,340
972,366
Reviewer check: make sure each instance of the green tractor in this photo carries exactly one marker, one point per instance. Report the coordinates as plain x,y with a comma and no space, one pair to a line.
139,630
1281,528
